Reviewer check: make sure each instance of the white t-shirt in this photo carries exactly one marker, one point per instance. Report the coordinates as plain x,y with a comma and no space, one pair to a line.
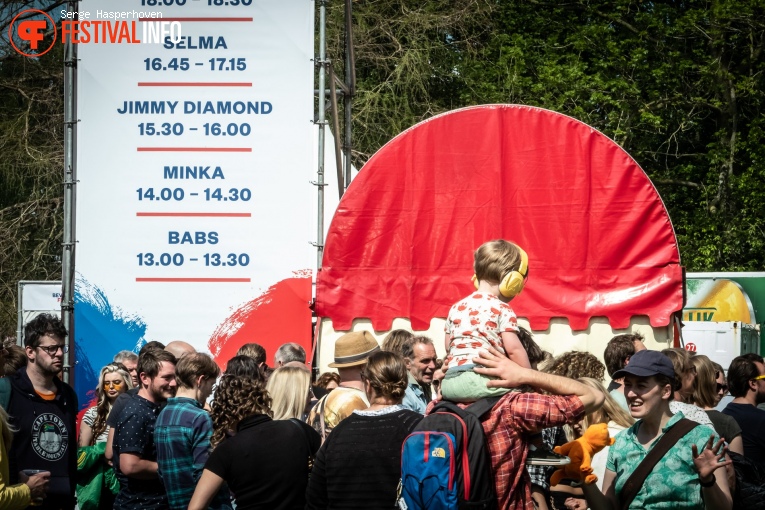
474,323
90,418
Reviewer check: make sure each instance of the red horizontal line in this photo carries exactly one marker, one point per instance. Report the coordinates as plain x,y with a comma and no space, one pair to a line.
197,19
194,280
194,149
195,214
193,84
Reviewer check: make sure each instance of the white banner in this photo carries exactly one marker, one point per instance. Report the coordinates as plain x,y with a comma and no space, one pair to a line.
194,161
40,297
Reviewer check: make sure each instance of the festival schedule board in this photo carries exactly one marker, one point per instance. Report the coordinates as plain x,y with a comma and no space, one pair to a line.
194,202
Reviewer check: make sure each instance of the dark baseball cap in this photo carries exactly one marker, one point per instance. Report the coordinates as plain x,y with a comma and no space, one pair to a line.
646,364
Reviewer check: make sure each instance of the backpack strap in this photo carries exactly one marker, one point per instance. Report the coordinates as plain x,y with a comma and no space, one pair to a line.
477,408
323,404
307,442
483,406
5,392
667,441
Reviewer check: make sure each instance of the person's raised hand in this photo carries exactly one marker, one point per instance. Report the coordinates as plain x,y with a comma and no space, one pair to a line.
712,458
493,363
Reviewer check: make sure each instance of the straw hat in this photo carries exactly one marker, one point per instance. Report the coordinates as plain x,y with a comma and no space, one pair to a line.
354,348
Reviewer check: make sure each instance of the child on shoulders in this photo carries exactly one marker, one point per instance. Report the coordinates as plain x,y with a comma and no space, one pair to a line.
484,319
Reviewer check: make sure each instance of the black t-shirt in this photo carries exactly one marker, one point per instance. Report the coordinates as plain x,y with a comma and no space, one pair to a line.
752,423
118,406
725,426
266,463
134,433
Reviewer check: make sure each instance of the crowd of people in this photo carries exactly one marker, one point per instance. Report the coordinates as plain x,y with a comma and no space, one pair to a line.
167,429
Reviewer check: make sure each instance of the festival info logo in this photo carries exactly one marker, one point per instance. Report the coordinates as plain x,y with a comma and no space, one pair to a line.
49,437
27,26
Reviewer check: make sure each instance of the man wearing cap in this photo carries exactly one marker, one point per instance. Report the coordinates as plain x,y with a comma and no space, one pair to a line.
685,475
351,353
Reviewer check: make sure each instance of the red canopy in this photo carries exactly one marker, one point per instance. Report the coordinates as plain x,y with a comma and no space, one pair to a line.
599,239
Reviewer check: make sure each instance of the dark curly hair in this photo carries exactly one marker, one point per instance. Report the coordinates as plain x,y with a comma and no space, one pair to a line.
577,364
43,324
236,398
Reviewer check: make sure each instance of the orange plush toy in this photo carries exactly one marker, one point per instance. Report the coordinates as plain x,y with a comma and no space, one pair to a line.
580,452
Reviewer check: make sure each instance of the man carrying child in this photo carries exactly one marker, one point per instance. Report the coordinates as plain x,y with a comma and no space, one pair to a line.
484,320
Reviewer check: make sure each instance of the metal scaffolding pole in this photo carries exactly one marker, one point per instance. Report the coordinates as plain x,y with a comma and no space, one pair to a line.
70,180
321,62
350,83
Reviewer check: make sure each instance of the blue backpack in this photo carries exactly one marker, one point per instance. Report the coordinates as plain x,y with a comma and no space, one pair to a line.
445,462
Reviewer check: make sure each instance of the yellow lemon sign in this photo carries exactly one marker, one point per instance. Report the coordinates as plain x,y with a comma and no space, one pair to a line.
716,300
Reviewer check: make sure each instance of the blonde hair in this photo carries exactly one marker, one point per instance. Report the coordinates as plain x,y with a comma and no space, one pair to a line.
288,387
104,407
705,383
495,259
611,410
395,341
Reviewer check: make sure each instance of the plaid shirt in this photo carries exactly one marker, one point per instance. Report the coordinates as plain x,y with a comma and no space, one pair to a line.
182,437
507,428
540,475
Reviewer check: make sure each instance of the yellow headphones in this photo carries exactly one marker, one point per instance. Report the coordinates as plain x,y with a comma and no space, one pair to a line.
512,284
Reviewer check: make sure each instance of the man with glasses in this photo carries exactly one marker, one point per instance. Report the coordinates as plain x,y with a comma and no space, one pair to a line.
746,382
44,413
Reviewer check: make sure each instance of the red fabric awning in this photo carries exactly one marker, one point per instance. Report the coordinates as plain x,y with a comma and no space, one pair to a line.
599,239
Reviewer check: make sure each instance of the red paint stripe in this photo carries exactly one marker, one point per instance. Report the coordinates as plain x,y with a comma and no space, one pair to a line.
234,20
193,84
194,280
194,149
284,307
465,460
193,215
465,463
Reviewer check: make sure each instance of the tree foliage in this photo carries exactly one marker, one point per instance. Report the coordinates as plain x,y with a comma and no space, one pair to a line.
31,167
678,84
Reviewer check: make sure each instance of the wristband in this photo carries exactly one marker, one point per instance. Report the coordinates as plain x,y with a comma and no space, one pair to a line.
708,484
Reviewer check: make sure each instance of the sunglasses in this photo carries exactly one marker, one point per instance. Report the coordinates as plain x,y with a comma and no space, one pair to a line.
722,387
112,384
759,377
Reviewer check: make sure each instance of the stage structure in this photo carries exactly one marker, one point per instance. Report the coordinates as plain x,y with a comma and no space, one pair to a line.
188,177
603,256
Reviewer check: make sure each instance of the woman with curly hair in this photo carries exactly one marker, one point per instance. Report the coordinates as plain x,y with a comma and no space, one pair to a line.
577,364
113,381
265,462
96,484
328,381
359,465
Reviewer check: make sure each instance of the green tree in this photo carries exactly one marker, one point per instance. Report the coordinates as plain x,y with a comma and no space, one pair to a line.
679,85
31,140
